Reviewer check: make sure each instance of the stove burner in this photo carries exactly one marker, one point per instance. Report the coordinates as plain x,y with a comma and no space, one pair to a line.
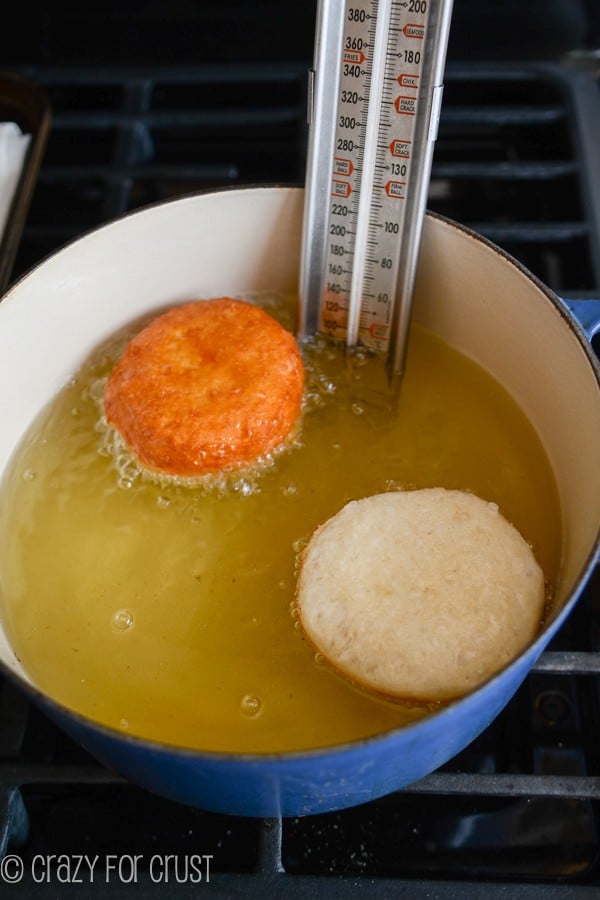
517,159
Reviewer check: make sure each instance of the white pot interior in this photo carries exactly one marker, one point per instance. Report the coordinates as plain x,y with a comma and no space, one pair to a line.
249,240
485,306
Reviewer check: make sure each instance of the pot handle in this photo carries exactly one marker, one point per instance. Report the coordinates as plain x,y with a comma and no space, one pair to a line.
587,313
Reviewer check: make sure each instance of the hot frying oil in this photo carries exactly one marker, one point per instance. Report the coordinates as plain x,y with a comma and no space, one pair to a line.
167,611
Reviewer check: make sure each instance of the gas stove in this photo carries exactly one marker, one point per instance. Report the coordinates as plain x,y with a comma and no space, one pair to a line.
517,812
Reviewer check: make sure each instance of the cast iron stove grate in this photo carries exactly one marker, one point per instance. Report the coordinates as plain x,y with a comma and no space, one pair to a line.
516,813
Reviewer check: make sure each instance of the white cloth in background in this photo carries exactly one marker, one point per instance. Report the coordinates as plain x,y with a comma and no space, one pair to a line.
13,147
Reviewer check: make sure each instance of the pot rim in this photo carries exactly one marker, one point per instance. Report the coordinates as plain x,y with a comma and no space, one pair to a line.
450,709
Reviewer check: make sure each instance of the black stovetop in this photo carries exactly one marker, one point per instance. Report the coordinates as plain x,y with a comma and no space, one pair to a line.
518,159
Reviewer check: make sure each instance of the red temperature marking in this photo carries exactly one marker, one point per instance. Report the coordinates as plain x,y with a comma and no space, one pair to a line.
400,148
406,105
414,31
342,166
395,189
408,81
378,330
354,56
341,189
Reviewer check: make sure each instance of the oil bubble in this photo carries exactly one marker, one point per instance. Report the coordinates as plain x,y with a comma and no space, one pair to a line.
357,409
319,659
314,399
245,487
251,705
29,475
124,723
326,386
359,359
289,490
123,619
299,544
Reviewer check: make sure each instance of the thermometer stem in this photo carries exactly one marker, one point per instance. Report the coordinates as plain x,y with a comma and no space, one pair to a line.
381,8
375,100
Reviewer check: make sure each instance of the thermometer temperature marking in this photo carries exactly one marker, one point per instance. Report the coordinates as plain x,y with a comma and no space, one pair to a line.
377,88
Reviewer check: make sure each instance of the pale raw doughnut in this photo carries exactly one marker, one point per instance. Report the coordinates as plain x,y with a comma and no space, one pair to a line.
419,595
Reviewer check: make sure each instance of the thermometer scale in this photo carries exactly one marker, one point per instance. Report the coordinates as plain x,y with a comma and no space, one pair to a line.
374,104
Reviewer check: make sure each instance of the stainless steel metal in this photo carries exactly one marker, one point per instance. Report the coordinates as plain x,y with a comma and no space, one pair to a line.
425,134
321,115
369,171
377,98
